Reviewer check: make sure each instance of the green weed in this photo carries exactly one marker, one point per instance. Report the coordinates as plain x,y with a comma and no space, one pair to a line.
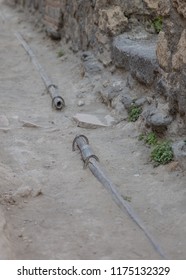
134,113
60,53
127,198
162,153
157,23
151,139
141,137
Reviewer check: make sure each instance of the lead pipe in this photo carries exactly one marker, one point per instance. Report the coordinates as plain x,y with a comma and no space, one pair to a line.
57,101
92,162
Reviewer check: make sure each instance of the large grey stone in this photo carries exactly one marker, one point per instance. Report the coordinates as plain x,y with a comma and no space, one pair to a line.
179,150
91,65
112,91
136,56
140,101
157,120
127,101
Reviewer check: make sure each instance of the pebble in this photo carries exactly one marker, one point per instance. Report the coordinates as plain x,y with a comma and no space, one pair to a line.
23,191
81,103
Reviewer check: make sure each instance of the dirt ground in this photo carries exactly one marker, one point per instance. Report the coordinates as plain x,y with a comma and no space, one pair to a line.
52,208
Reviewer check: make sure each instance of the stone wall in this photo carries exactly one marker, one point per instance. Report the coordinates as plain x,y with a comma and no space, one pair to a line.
171,54
92,25
89,24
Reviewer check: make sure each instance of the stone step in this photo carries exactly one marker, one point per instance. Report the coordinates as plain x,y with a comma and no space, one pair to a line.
136,56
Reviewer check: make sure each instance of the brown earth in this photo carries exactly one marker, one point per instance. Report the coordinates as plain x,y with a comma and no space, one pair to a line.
51,207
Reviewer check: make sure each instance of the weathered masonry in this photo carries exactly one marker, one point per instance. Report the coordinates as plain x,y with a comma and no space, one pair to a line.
147,38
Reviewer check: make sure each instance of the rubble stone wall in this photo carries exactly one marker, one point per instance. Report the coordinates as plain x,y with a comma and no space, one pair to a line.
171,54
89,24
92,24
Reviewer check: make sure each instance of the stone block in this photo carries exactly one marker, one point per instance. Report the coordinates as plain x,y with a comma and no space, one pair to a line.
163,52
161,7
180,5
156,119
90,64
179,150
179,58
136,56
112,20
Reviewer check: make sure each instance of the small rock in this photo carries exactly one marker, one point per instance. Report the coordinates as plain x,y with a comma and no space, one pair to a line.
23,192
117,86
30,124
37,192
127,101
162,87
131,82
81,103
53,34
157,120
112,91
91,64
141,101
179,150
172,166
119,108
105,83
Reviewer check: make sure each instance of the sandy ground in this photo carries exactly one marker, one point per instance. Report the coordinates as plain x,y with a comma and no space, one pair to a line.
52,208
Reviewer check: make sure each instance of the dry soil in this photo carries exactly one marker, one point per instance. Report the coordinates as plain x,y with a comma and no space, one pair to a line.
52,208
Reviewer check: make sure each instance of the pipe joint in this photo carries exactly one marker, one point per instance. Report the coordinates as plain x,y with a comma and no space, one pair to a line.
87,153
58,102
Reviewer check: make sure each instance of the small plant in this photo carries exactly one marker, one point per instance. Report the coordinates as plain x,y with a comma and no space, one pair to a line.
134,113
151,139
141,137
60,53
162,153
157,23
127,198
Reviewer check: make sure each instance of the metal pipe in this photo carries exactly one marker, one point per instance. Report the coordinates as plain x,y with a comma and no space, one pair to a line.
57,101
86,151
92,162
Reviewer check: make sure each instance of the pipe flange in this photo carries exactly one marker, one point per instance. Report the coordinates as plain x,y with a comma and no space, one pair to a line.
74,142
59,104
86,161
52,85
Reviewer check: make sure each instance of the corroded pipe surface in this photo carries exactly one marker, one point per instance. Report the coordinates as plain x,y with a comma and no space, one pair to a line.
57,101
92,162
